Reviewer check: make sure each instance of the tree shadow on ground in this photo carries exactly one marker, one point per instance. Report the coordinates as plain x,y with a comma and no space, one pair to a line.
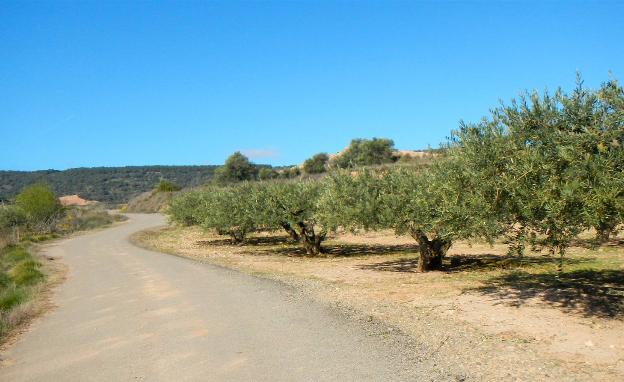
259,241
593,243
594,293
285,246
348,250
459,263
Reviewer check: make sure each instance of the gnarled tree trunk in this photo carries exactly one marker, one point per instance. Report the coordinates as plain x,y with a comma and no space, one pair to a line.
291,232
311,241
603,231
237,237
432,251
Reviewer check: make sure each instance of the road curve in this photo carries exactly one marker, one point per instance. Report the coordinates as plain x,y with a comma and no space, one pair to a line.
129,314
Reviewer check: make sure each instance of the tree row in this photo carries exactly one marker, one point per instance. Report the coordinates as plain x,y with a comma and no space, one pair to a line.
537,171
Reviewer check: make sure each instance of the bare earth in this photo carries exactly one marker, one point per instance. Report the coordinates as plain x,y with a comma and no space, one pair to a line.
459,327
128,314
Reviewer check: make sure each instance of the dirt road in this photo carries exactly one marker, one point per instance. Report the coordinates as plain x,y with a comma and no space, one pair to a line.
128,314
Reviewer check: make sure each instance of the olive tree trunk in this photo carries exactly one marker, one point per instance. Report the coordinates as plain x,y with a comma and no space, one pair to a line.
432,251
291,232
237,237
604,231
311,241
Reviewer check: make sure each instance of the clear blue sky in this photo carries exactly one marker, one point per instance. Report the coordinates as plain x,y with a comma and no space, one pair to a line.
97,83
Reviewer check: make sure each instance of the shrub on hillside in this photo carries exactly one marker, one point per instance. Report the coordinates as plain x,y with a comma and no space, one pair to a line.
237,168
317,164
167,186
267,173
85,218
366,152
40,206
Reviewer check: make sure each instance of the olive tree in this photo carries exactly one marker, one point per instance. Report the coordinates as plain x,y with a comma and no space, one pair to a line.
354,200
269,214
558,173
436,206
601,116
229,210
185,208
292,206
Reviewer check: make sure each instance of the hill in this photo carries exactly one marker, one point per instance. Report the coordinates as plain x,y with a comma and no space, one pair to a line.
104,184
149,202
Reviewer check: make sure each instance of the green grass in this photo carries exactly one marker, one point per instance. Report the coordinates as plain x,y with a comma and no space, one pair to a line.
20,273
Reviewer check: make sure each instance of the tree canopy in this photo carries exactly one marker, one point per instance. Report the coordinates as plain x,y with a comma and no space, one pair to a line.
236,168
316,164
366,152
39,203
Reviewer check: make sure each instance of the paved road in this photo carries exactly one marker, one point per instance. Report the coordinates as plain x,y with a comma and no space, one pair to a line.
128,314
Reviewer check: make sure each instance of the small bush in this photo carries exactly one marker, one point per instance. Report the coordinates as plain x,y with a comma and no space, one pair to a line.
40,206
267,173
317,164
366,152
167,186
85,218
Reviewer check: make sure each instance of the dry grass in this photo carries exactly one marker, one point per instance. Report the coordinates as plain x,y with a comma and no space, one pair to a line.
149,202
482,303
30,277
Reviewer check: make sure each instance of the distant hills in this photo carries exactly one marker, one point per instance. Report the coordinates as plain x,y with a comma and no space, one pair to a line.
104,184
120,184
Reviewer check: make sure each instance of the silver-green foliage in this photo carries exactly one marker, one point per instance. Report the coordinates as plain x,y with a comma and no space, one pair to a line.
434,206
293,206
558,164
230,210
185,208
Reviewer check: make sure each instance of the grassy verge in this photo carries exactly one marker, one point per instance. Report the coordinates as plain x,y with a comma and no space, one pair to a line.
21,278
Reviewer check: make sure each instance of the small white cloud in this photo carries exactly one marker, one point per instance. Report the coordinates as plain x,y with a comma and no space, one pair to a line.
260,153
69,118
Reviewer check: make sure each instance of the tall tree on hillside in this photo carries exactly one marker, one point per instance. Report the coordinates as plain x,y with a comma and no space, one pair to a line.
366,152
316,164
237,168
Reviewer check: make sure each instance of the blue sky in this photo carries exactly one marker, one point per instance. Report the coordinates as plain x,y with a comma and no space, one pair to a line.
96,83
